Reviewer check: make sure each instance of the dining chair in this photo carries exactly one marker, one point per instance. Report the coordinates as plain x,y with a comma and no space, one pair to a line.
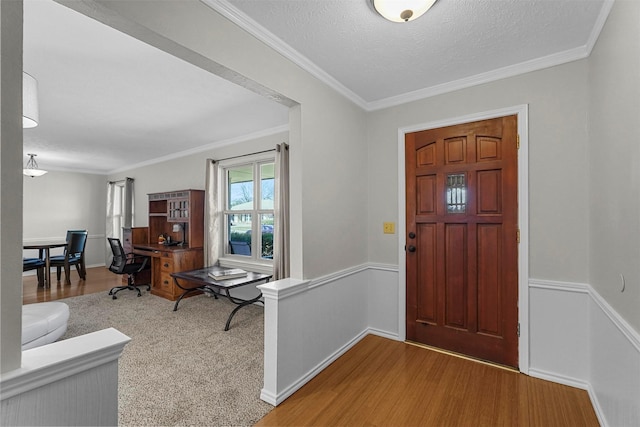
35,264
73,255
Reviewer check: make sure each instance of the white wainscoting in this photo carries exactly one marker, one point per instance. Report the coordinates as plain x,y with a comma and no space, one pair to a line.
69,382
575,338
309,324
615,366
559,332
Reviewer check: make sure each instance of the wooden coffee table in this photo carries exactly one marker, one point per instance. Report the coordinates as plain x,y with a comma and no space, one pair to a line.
218,288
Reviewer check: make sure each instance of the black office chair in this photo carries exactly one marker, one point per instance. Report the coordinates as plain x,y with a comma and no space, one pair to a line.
129,264
73,255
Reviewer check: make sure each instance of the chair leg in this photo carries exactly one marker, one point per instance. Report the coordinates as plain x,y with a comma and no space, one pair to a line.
67,274
81,272
58,273
40,273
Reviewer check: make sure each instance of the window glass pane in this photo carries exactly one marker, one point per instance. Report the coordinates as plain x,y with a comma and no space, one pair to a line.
266,225
240,188
456,193
267,189
239,232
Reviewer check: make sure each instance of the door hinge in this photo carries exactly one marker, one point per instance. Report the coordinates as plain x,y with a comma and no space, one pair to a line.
518,329
518,141
518,235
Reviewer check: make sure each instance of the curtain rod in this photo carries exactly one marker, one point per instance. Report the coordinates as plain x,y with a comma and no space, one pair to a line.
122,180
250,154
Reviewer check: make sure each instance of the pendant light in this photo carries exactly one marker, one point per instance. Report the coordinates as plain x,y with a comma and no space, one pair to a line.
30,114
31,168
402,10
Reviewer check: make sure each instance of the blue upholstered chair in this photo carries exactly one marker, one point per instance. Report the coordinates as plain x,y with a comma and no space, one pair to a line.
34,264
73,255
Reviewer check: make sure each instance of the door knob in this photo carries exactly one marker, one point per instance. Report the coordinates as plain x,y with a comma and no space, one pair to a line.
412,235
411,248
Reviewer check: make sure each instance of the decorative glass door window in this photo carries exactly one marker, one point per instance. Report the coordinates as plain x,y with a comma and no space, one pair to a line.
456,193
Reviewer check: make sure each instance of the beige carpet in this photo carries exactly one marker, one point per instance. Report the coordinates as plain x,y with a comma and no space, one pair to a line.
180,368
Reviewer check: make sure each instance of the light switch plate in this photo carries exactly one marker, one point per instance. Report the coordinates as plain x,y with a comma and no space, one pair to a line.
389,227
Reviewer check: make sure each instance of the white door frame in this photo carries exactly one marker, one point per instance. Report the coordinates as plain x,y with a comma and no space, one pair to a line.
522,111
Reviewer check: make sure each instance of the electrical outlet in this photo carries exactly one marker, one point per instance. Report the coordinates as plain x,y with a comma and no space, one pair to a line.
389,227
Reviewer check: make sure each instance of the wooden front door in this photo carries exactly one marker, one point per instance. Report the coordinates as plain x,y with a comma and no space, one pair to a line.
462,239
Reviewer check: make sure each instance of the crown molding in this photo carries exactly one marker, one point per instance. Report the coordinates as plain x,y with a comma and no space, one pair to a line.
479,79
202,148
252,27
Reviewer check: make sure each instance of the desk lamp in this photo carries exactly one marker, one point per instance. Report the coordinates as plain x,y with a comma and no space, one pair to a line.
179,227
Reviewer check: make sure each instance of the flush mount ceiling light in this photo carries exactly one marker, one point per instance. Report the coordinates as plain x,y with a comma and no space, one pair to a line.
402,10
31,168
29,101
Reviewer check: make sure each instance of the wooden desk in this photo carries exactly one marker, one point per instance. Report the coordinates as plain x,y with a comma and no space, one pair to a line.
166,260
46,248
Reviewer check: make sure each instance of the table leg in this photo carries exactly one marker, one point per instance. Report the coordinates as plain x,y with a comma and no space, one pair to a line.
47,269
186,291
240,305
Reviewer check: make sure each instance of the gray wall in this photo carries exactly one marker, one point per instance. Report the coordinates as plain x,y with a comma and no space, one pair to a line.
61,201
10,183
558,190
186,172
614,169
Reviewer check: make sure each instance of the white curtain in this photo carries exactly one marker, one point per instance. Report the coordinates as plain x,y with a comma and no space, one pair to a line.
127,208
281,248
118,214
212,227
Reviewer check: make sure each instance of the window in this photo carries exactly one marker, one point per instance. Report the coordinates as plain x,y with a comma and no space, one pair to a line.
118,209
248,195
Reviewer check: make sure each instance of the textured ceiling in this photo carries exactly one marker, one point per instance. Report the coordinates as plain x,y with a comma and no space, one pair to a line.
108,101
375,59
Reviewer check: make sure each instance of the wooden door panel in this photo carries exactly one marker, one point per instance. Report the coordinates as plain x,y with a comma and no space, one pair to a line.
455,283
426,195
462,209
488,149
426,156
489,278
426,290
455,150
488,192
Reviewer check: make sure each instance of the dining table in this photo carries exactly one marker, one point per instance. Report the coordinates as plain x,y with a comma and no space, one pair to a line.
45,249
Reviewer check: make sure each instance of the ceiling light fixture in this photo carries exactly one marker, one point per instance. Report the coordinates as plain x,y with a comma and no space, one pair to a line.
29,101
402,10
31,168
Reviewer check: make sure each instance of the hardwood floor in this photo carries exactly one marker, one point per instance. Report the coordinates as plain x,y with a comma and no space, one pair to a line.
381,382
99,279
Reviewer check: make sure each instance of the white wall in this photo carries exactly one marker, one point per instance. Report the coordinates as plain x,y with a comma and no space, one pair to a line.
61,201
614,169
